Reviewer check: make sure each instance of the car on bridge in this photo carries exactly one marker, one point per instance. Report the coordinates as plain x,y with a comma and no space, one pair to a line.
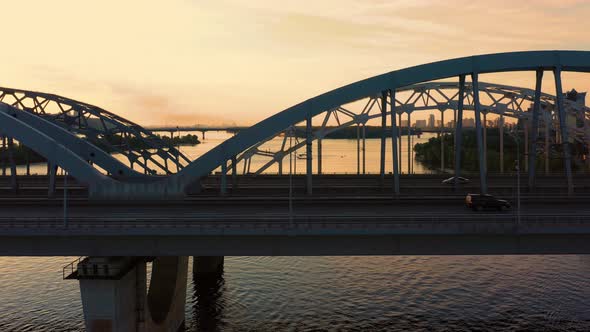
451,180
478,202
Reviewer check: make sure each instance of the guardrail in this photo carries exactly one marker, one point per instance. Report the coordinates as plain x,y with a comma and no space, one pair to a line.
275,224
71,267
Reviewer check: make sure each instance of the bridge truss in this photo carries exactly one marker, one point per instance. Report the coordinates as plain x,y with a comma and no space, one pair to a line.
377,98
501,100
110,132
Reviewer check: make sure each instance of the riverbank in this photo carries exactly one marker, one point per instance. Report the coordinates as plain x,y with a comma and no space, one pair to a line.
429,153
23,155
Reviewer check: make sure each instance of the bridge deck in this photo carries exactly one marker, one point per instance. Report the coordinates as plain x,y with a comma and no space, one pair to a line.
265,228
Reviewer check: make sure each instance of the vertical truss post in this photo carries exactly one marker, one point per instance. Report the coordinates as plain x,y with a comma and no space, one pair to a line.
319,155
563,129
409,144
280,164
309,140
485,140
52,172
479,134
547,124
27,161
399,138
223,189
501,125
394,150
3,156
358,149
442,139
12,161
526,144
364,146
234,173
458,131
383,136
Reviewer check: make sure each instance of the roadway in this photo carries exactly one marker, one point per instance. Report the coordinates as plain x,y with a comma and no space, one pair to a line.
332,185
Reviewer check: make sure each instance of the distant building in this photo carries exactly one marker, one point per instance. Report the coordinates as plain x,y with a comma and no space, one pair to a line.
431,121
404,123
420,124
468,123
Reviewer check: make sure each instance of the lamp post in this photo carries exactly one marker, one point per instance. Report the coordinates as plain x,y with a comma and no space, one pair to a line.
514,134
290,133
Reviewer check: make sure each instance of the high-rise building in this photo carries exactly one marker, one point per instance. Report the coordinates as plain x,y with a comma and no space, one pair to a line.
431,121
420,124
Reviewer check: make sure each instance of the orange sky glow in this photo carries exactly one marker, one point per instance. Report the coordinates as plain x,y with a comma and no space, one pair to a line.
184,62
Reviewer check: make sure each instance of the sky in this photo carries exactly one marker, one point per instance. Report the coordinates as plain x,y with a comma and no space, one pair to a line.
185,62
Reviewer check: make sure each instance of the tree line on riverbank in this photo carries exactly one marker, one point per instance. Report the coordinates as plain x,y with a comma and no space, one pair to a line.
429,153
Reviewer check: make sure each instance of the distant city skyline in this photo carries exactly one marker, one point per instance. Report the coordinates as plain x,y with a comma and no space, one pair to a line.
236,63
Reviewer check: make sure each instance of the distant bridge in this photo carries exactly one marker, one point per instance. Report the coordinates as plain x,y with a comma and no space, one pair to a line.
201,129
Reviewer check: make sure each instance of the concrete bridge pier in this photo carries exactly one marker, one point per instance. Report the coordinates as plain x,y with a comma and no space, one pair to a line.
207,266
115,295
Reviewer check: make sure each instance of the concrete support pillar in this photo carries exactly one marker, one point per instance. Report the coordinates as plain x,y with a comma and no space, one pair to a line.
208,266
309,155
394,141
223,189
409,143
458,130
383,136
479,135
567,163
319,156
12,161
115,296
501,125
442,139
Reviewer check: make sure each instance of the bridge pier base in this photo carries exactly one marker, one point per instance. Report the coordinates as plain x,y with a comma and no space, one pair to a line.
207,266
115,295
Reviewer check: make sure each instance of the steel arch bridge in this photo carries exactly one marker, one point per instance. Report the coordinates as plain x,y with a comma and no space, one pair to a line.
383,100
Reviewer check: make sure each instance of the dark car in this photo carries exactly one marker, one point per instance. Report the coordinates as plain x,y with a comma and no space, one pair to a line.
478,202
451,180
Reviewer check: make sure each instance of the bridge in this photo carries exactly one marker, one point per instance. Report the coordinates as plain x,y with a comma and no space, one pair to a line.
196,128
127,198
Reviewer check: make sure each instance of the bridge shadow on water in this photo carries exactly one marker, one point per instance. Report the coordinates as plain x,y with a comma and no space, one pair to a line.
208,303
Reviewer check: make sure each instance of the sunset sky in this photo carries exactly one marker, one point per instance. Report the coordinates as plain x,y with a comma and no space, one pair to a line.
237,62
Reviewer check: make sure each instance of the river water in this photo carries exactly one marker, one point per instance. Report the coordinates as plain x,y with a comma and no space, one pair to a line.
430,293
